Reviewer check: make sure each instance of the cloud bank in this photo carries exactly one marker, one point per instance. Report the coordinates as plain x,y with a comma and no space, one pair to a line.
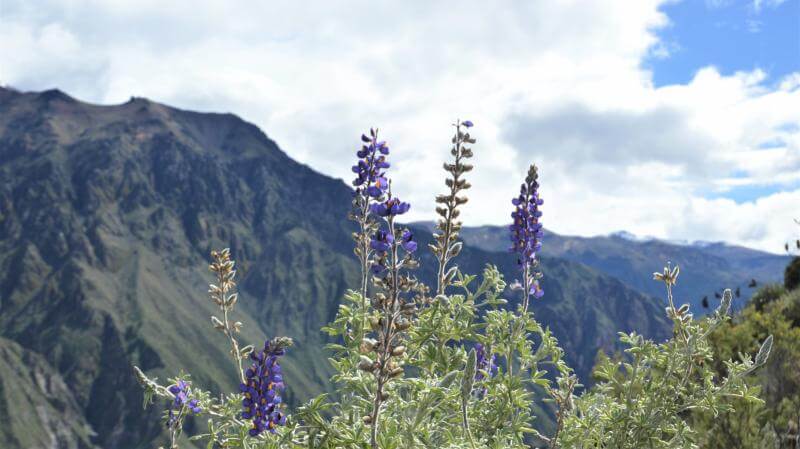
561,84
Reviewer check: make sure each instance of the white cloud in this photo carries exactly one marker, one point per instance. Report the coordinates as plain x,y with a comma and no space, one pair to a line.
560,83
758,4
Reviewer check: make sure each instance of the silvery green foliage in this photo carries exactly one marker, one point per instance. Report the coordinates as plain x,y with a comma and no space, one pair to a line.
468,363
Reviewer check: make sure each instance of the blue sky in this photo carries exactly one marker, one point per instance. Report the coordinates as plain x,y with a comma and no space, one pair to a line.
732,35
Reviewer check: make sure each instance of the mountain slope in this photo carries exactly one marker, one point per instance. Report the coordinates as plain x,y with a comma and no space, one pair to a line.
37,408
705,269
107,215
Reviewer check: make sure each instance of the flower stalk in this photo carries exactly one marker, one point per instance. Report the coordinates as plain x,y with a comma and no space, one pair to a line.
370,187
222,293
394,314
448,227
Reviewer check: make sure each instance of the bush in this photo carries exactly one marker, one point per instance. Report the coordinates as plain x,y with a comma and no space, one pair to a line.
791,277
766,295
456,364
773,422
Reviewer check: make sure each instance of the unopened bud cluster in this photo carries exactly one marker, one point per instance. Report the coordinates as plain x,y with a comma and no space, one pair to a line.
446,245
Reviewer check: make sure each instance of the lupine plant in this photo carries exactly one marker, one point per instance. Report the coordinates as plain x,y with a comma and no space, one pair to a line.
459,364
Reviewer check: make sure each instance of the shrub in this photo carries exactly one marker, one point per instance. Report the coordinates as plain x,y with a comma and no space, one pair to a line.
458,365
756,425
766,295
791,277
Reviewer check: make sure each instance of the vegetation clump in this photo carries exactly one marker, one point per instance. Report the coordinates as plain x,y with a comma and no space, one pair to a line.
774,421
460,364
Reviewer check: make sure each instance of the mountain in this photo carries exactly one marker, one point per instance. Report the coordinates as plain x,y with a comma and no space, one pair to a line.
706,268
107,216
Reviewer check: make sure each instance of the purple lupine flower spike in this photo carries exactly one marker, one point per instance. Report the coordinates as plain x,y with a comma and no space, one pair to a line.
371,179
261,401
486,365
526,234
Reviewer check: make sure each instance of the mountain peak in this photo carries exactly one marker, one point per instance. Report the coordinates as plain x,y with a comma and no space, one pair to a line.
55,95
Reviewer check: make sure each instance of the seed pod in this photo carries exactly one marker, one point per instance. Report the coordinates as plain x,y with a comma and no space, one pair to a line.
374,323
232,299
395,373
367,345
455,248
366,364
367,419
398,351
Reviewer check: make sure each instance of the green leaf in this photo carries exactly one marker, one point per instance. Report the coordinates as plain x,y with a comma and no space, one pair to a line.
763,352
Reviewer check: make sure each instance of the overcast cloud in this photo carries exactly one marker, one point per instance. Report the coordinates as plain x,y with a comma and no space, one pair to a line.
556,83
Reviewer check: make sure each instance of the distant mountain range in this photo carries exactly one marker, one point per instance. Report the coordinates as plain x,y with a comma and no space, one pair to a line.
707,268
107,216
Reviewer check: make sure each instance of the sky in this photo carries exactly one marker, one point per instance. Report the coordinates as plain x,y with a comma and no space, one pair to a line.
673,119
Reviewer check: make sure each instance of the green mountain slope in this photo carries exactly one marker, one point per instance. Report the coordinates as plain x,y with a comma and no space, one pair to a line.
107,215
37,408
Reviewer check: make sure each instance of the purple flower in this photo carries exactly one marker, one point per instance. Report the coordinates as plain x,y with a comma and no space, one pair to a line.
370,178
181,392
486,363
526,230
381,241
486,366
390,208
378,187
261,400
467,123
408,242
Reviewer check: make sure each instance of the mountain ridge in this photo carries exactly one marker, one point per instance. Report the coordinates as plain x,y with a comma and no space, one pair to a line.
705,270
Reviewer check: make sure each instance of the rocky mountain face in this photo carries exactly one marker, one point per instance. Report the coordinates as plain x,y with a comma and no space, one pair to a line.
706,269
107,216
